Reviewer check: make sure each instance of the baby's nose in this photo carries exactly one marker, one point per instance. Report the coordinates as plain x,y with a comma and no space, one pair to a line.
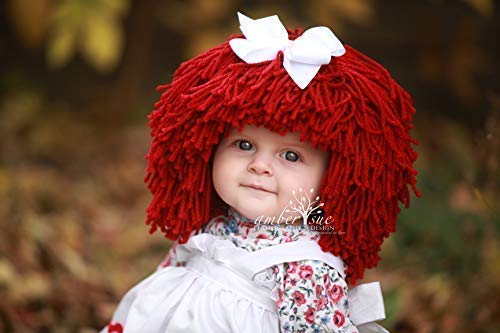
261,166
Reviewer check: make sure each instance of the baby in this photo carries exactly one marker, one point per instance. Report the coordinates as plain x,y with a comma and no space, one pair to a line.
276,166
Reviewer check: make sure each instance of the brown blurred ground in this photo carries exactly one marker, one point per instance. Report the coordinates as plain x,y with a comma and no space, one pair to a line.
77,81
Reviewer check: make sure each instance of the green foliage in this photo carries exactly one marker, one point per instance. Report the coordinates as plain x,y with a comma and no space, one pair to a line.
92,28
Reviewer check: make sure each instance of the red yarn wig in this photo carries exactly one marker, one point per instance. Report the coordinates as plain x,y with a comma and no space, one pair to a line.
352,108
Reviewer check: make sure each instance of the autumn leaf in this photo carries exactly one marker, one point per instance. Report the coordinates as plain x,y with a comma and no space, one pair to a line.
61,47
102,42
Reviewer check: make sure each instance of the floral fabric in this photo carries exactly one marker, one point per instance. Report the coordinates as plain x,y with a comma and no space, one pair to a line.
310,296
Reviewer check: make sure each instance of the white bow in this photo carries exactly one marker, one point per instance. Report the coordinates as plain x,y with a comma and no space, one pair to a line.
367,306
303,56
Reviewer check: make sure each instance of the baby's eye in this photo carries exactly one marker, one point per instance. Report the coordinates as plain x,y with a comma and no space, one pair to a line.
291,156
244,145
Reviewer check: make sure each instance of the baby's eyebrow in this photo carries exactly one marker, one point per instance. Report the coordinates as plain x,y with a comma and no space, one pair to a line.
240,135
300,144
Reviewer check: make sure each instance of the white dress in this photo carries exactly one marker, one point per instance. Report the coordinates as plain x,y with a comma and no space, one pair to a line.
224,288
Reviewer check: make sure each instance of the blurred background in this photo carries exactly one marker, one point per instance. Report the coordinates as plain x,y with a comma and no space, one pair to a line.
78,79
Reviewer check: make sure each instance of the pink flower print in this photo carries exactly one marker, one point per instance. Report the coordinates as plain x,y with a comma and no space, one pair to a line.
298,297
293,282
292,268
319,290
305,272
335,293
309,315
338,318
321,302
262,236
288,239
280,298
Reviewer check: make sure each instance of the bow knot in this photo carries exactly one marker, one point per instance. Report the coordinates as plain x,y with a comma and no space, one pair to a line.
303,57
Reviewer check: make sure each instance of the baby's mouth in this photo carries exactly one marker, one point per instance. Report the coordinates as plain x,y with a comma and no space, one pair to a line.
258,188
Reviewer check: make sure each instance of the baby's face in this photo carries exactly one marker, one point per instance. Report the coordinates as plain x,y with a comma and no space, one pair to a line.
277,164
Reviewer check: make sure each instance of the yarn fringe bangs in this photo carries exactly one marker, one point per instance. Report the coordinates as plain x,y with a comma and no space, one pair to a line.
352,108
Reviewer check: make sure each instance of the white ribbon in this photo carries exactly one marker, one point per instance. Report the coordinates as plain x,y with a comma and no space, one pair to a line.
303,56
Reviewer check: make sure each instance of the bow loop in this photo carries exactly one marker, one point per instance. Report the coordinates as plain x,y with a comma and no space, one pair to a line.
299,51
303,57
270,26
366,307
324,36
251,53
